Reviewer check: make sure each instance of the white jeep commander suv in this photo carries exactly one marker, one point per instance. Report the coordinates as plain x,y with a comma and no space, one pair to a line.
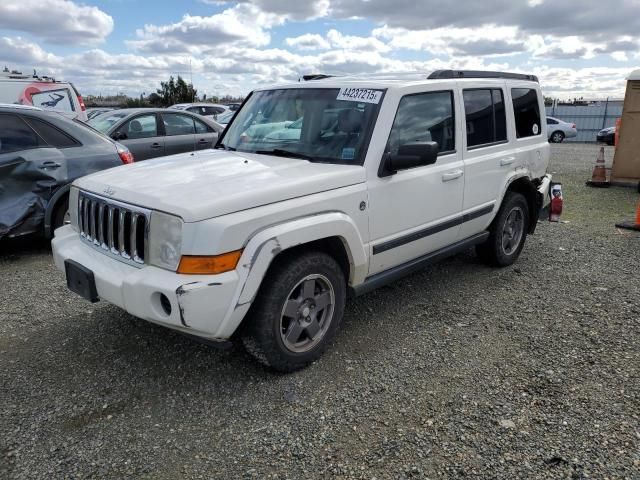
316,191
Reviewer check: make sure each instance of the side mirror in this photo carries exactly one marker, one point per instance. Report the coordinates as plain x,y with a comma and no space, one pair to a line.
119,135
410,155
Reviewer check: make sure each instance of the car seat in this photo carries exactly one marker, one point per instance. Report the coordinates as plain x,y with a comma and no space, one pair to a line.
135,129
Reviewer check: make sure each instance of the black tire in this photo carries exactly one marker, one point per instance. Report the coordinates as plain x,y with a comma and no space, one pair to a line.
556,137
267,329
57,219
493,251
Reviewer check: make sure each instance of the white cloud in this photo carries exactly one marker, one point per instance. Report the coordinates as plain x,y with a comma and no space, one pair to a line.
56,21
243,24
308,41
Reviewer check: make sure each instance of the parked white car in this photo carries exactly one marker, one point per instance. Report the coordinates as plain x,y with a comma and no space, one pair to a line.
42,92
211,110
558,130
265,238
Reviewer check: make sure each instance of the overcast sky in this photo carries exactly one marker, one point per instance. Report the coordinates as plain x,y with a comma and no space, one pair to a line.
576,47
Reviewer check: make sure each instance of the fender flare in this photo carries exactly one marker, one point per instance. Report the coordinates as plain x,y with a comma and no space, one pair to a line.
51,205
532,191
263,247
267,244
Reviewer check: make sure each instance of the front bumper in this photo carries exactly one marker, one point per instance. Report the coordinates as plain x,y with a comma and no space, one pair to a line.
201,305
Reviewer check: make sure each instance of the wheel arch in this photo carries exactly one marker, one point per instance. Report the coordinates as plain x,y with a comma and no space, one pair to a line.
333,232
526,187
52,205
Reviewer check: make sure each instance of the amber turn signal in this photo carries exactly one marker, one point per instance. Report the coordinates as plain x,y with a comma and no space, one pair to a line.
209,265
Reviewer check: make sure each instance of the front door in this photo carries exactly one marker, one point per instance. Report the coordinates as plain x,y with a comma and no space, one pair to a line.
141,137
417,211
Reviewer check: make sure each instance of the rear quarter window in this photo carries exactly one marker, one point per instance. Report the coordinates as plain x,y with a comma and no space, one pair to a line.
526,110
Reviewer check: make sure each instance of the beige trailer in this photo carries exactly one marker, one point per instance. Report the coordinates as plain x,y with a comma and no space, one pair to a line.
626,162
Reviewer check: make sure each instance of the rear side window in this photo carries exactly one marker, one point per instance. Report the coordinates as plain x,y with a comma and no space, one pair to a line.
485,116
424,117
16,135
177,124
527,112
551,121
51,135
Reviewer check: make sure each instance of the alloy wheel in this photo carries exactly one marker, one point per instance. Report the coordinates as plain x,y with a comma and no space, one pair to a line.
307,313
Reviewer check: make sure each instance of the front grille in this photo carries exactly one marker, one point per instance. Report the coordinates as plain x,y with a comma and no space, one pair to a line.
113,227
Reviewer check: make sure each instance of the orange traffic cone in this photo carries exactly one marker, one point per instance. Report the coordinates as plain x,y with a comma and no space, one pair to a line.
599,175
631,225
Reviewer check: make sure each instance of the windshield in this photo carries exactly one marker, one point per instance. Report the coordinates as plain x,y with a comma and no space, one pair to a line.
105,121
307,123
225,117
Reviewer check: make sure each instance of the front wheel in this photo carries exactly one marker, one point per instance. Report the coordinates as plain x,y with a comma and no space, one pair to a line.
507,232
297,311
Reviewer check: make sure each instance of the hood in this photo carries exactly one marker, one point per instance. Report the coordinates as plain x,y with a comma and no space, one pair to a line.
210,183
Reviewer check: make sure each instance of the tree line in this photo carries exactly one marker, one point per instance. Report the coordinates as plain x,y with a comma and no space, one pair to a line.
174,90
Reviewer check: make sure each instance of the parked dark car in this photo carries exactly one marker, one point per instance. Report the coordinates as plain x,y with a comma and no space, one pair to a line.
607,135
41,153
156,132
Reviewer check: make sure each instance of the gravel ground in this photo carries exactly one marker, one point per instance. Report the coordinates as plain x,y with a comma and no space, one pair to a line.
461,370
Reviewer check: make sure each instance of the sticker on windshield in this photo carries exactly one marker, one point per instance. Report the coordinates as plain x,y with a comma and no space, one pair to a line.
535,129
348,153
360,95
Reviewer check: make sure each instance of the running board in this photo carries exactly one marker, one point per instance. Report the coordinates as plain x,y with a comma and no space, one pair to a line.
395,273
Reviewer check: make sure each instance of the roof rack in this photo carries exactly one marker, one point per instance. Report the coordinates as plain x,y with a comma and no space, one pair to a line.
316,76
448,74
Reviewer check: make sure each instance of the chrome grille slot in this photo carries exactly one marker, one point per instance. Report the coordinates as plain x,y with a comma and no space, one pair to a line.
114,228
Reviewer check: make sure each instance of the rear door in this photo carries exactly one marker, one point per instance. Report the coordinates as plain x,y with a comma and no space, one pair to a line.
486,152
30,172
180,134
142,136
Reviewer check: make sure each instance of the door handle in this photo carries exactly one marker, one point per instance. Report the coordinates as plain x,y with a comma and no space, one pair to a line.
49,164
203,140
446,177
507,161
156,145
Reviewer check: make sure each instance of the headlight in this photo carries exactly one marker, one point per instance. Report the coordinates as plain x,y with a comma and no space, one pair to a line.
165,240
73,207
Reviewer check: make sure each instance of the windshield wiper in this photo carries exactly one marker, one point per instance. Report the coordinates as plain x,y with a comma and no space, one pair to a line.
279,152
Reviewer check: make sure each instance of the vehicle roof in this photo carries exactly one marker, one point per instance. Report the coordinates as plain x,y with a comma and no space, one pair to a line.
127,112
197,104
77,129
389,81
19,107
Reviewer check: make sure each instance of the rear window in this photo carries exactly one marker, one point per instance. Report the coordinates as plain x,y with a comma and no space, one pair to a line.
527,112
16,135
51,135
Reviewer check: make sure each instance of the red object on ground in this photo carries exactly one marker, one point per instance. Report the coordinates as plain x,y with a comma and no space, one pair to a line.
555,209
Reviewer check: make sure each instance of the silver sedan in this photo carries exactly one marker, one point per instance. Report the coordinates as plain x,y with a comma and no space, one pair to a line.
558,130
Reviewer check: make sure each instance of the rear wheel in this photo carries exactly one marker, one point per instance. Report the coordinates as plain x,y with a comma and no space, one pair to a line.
297,311
507,233
557,137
